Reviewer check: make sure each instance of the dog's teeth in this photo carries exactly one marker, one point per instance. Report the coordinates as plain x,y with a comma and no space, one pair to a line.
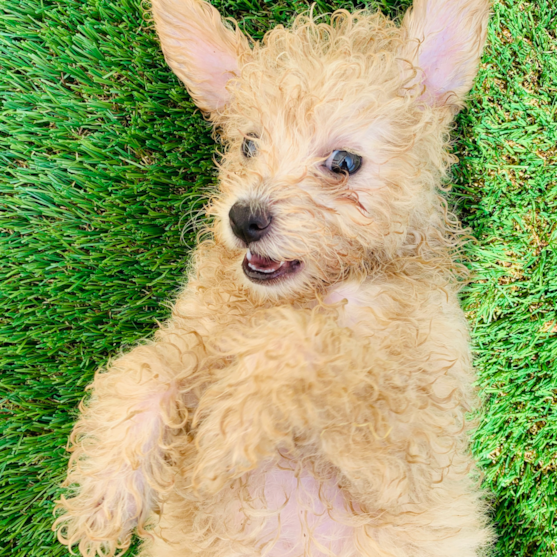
249,257
254,268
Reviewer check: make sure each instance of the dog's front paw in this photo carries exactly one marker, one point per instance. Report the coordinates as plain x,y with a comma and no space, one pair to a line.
102,514
226,454
233,437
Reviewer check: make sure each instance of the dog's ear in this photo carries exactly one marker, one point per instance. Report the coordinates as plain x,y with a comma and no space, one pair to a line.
202,50
444,41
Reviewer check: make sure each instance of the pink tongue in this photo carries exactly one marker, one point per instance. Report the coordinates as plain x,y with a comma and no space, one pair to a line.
264,263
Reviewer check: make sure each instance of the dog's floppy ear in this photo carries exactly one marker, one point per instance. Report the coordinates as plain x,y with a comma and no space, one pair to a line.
444,41
201,49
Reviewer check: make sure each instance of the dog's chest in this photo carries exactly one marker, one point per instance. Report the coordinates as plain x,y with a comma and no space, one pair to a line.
303,516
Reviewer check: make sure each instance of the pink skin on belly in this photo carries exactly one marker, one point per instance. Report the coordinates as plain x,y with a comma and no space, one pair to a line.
306,517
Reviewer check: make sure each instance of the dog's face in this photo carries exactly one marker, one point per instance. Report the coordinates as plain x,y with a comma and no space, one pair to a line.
334,133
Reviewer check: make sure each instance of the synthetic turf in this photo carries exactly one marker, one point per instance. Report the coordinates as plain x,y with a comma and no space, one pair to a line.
104,161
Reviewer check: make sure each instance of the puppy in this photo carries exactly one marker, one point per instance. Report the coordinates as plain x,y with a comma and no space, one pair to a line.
308,395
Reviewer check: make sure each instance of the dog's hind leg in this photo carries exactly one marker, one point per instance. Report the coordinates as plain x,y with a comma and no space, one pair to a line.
453,528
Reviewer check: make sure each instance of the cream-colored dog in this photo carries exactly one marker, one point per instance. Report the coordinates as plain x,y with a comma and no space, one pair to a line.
308,395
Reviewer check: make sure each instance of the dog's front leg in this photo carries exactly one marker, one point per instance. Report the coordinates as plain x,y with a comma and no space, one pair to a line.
120,463
295,374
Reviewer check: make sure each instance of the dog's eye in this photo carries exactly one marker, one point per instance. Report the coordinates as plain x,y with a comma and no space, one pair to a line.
249,146
343,161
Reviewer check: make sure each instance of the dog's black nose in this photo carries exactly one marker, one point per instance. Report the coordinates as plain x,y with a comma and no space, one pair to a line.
249,223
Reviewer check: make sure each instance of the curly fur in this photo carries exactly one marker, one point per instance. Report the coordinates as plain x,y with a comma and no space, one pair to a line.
324,414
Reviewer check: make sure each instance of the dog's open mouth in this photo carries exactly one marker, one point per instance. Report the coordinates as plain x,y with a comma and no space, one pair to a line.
262,269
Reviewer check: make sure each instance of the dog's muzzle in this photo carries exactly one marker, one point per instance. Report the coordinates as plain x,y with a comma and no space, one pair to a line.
250,224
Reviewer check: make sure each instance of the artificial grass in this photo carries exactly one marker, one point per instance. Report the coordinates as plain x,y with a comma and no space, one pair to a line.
103,161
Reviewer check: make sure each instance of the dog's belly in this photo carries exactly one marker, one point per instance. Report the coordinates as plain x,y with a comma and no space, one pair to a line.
307,517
